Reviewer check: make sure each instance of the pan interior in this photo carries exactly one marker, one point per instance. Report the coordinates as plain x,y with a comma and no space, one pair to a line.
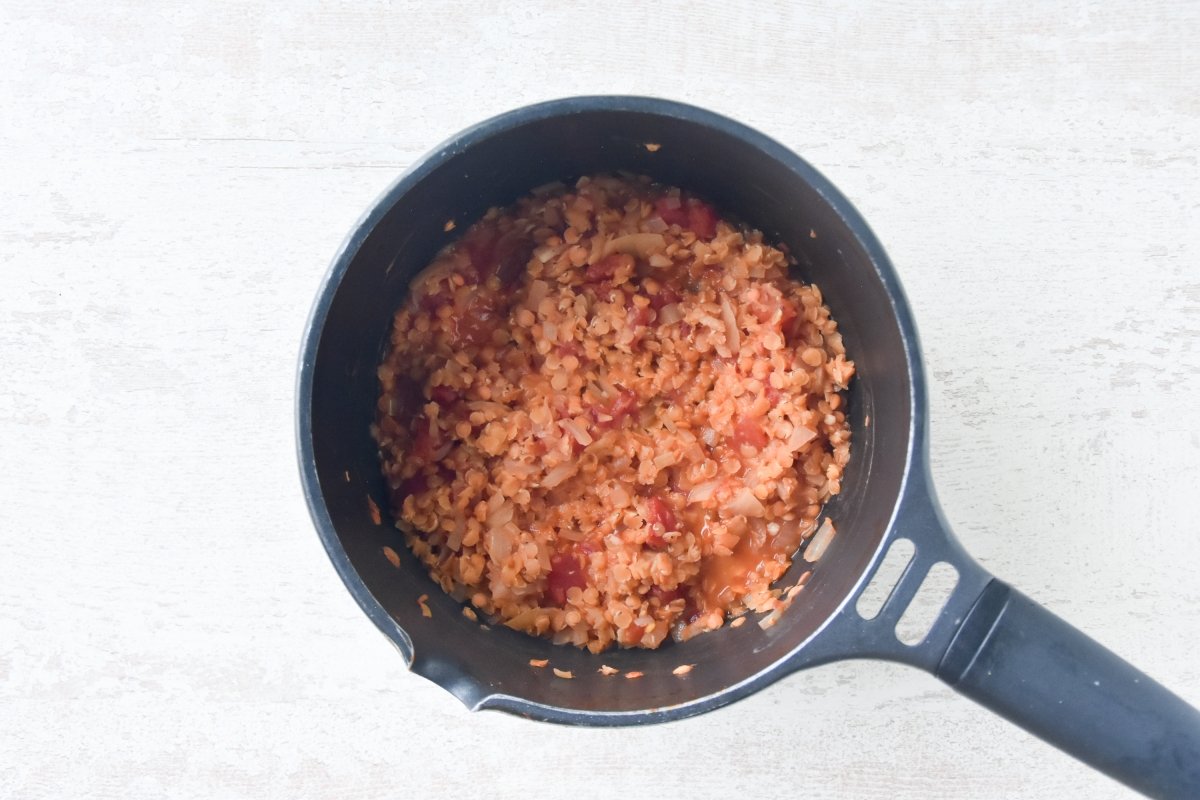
749,179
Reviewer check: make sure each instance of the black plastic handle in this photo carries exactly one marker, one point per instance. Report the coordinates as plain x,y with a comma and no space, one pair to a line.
1021,661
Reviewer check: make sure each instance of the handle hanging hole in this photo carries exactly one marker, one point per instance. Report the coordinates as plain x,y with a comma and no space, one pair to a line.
871,601
927,604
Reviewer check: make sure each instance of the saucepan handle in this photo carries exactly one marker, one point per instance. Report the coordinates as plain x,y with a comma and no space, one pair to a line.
1016,658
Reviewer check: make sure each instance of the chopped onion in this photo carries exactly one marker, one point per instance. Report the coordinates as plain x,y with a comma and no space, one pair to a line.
800,437
820,541
664,460
746,504
519,467
486,406
537,293
790,533
708,436
559,474
732,335
703,491
499,544
770,619
523,620
669,314
575,429
454,542
656,225
641,245
502,515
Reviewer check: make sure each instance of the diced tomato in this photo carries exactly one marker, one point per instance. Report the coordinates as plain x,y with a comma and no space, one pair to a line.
565,571
620,407
773,395
665,596
613,295
493,253
391,426
424,443
634,634
431,302
672,210
685,329
662,518
688,214
702,219
665,297
624,404
511,257
477,320
480,246
640,316
606,268
659,512
748,432
569,349
787,320
443,395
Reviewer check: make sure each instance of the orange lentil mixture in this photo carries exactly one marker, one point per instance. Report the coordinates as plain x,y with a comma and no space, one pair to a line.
609,416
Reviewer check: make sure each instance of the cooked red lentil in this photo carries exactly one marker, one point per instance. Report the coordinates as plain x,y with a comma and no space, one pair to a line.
608,415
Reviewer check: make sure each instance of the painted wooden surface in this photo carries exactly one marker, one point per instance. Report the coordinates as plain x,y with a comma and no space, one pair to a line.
175,179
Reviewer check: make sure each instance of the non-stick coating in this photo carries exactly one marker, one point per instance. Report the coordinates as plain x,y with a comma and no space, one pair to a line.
748,177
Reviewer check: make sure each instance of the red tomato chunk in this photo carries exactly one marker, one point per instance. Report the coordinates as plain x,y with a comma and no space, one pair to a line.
478,319
659,512
606,268
665,297
672,211
620,407
425,444
565,571
492,253
700,217
443,395
748,432
665,596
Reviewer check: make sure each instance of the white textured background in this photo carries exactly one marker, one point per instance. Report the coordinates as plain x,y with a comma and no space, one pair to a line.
173,181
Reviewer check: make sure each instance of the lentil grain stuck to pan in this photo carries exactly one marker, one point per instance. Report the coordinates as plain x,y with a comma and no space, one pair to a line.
608,416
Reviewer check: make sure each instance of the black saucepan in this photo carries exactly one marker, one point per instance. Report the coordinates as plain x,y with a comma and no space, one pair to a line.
989,642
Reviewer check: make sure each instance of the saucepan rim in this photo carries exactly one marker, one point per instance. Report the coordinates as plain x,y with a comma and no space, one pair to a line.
478,697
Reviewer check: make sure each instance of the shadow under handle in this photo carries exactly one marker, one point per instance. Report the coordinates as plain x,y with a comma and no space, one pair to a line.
1021,661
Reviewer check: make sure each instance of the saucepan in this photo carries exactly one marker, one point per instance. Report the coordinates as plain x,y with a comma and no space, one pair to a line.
988,641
